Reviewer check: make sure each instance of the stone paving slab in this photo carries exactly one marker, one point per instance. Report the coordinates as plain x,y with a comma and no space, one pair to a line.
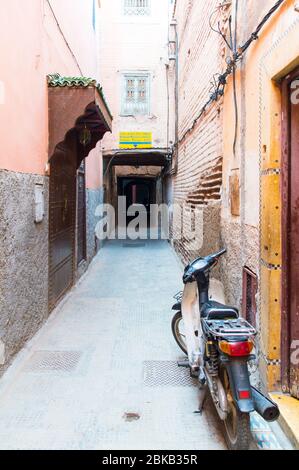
78,382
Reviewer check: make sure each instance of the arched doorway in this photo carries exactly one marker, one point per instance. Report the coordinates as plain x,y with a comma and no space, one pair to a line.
78,118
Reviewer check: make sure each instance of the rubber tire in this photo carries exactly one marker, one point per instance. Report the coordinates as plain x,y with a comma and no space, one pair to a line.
244,436
176,318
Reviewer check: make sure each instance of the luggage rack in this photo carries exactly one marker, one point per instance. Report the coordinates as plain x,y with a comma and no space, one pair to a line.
237,327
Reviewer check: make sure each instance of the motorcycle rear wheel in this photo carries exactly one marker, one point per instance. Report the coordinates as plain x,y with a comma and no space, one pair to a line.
237,425
176,327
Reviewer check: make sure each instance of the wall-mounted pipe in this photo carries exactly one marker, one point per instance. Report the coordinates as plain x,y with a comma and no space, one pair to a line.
175,57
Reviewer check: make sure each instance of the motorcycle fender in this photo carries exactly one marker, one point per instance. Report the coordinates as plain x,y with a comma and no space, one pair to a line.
239,379
177,307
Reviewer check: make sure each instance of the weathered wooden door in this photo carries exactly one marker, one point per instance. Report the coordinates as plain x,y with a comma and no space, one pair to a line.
290,190
62,206
81,214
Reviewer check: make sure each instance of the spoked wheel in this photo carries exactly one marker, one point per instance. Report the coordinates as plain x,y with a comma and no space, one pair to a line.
178,331
237,424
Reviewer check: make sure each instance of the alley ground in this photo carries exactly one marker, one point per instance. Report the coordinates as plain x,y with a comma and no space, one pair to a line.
102,373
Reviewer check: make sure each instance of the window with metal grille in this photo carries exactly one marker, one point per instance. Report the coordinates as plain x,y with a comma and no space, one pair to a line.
250,287
135,94
137,7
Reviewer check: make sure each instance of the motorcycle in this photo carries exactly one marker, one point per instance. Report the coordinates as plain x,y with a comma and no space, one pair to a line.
219,344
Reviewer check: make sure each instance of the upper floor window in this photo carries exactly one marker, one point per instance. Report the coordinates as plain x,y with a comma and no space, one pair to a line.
136,91
137,7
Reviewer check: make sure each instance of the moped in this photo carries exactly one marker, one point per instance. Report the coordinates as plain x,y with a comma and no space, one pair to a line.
219,344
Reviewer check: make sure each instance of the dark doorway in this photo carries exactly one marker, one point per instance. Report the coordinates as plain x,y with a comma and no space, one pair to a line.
62,217
250,288
81,214
290,234
138,191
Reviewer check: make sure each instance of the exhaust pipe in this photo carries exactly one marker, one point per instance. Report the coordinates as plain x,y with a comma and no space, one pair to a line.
265,407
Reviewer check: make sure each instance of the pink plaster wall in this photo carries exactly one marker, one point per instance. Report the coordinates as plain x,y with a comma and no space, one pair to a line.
32,46
94,168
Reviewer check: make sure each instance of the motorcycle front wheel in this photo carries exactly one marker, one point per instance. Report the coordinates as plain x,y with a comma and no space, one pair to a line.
237,424
178,331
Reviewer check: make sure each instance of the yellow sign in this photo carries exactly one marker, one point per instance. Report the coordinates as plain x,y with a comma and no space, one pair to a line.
135,140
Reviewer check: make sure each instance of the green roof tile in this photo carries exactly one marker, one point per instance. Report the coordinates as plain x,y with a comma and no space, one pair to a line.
56,80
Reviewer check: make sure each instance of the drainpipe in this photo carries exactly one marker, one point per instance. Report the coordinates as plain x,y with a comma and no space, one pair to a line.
176,160
175,57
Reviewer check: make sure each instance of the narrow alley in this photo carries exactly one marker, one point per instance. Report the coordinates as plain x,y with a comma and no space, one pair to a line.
106,353
149,228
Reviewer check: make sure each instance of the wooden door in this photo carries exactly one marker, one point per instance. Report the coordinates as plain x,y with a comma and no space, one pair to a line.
62,204
290,228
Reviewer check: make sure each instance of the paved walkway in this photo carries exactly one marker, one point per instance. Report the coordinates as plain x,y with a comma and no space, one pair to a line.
101,373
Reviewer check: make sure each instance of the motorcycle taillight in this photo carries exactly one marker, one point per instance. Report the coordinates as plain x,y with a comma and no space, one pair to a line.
236,349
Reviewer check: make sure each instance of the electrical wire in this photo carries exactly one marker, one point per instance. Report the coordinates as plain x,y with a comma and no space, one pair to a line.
230,31
219,30
231,64
234,80
255,34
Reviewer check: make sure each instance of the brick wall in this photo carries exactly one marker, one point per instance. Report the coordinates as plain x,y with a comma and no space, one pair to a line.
199,178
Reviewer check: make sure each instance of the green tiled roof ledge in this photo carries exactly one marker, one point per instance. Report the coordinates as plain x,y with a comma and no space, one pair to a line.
56,80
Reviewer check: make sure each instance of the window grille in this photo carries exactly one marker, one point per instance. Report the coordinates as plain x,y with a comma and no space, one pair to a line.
137,7
136,95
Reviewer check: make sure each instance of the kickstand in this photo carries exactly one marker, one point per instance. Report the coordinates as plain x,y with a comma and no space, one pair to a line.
202,398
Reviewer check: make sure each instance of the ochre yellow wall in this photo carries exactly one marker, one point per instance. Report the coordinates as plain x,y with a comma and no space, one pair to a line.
270,58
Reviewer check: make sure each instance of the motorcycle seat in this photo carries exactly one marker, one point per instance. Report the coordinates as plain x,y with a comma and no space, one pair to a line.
215,311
